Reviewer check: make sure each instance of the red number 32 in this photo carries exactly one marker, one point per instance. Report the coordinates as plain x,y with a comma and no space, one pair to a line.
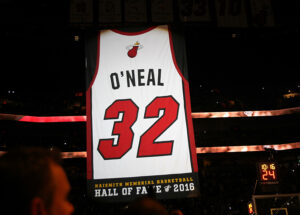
148,146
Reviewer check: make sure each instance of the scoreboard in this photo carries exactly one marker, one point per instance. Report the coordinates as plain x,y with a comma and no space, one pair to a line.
267,172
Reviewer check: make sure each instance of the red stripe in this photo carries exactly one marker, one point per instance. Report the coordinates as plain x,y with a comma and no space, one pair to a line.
260,113
45,119
256,148
233,114
219,149
202,150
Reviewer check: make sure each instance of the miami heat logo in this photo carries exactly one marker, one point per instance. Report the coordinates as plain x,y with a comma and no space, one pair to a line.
133,49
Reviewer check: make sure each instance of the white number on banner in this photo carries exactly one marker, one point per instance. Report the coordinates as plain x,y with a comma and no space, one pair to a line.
123,129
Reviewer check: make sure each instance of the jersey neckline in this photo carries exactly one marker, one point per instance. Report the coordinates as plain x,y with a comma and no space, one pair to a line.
133,33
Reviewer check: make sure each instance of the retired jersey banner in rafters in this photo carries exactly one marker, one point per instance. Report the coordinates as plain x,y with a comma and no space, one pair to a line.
140,136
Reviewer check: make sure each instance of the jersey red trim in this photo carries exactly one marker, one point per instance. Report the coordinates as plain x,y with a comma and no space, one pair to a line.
133,33
89,116
89,135
190,125
187,103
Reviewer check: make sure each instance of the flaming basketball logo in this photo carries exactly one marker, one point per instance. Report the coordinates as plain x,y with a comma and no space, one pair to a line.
167,188
133,49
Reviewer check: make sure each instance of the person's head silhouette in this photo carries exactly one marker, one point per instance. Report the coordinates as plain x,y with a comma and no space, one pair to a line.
33,182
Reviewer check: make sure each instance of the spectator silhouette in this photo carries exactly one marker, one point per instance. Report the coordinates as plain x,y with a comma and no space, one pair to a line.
146,206
176,212
33,182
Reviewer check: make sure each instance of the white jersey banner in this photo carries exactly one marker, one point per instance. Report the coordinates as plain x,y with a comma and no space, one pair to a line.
139,126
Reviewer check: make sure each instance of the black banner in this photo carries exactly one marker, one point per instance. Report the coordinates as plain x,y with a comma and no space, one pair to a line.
160,187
